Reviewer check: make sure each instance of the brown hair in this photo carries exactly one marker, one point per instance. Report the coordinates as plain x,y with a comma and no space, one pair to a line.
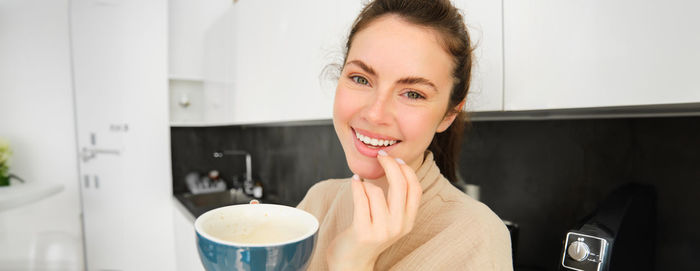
443,17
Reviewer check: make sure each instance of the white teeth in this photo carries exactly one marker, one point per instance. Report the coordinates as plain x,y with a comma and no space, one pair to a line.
374,141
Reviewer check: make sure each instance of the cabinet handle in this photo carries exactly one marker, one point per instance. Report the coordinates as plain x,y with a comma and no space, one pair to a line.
97,182
87,181
90,153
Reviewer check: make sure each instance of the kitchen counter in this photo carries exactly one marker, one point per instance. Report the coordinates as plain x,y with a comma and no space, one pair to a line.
195,205
187,208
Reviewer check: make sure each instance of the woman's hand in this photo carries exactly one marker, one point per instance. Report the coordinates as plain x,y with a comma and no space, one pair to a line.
378,221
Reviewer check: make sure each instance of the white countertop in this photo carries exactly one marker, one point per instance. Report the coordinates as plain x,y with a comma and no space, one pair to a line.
25,193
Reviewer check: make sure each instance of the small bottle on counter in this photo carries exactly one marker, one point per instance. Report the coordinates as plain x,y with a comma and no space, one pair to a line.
213,178
258,190
217,183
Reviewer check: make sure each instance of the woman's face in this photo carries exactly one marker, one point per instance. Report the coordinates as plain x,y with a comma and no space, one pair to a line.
392,94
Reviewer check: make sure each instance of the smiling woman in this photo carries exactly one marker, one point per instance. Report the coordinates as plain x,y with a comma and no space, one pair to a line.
398,116
396,84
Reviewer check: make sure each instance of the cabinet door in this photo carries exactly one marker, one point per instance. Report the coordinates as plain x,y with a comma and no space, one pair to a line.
281,48
188,22
187,256
485,23
120,79
575,54
279,53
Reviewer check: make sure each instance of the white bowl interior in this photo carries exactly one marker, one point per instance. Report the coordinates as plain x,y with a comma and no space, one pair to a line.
256,225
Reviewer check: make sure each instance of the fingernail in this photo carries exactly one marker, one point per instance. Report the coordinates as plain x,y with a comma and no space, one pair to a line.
400,161
355,177
382,153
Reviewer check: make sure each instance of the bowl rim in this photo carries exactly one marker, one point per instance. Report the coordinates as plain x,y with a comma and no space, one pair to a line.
202,233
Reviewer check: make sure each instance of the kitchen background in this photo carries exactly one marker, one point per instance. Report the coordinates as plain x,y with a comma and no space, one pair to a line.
544,175
109,104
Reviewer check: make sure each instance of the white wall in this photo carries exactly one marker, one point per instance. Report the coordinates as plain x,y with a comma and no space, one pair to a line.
36,116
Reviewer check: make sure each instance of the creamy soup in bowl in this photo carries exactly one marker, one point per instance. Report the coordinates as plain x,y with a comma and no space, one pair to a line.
256,237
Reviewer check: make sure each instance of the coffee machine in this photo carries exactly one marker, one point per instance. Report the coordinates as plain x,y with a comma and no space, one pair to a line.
619,235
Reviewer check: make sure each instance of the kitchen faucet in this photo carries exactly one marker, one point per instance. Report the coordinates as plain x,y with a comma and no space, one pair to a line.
248,182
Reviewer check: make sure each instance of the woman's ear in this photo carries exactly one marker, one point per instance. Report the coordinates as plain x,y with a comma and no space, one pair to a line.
450,117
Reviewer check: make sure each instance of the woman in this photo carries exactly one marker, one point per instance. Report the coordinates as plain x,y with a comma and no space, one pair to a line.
397,114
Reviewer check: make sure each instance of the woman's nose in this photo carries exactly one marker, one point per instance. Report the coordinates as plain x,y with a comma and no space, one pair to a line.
378,109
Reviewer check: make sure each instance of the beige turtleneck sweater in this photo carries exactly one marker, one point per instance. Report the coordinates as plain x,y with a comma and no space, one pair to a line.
452,231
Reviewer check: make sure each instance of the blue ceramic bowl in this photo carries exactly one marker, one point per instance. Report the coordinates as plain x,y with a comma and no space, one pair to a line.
256,237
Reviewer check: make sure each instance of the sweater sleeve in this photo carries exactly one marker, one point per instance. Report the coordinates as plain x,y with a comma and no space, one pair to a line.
466,244
491,242
311,194
317,199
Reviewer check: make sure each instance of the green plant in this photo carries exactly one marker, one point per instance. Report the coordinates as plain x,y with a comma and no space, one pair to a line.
5,153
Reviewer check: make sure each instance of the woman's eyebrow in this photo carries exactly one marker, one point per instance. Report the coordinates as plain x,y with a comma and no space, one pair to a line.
363,66
412,80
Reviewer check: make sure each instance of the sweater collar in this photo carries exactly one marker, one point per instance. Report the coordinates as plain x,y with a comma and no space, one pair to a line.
431,181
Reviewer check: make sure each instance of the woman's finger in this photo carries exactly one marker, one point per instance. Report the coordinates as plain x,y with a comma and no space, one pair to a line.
378,210
413,195
396,196
361,213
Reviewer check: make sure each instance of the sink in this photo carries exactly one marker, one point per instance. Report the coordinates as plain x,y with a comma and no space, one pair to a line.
217,199
197,204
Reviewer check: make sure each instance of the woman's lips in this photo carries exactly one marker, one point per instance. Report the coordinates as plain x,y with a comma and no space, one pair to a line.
368,151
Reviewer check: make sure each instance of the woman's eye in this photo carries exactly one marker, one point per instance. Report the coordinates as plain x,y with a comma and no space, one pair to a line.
360,80
413,95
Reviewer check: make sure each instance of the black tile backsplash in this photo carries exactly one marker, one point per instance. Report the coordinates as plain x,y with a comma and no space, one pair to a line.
543,175
286,160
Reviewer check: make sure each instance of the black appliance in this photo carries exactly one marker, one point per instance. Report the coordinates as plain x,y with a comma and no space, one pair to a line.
619,235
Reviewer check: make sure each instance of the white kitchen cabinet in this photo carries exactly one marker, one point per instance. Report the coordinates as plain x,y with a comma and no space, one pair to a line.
485,23
268,61
187,256
580,54
279,53
188,22
281,50
119,57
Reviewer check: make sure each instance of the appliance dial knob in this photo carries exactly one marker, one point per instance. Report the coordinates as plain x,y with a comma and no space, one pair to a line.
578,251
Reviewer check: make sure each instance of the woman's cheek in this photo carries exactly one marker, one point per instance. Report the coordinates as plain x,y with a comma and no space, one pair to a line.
343,104
418,128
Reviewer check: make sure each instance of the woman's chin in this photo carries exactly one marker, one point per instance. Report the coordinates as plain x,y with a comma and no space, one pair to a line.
367,170
372,175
